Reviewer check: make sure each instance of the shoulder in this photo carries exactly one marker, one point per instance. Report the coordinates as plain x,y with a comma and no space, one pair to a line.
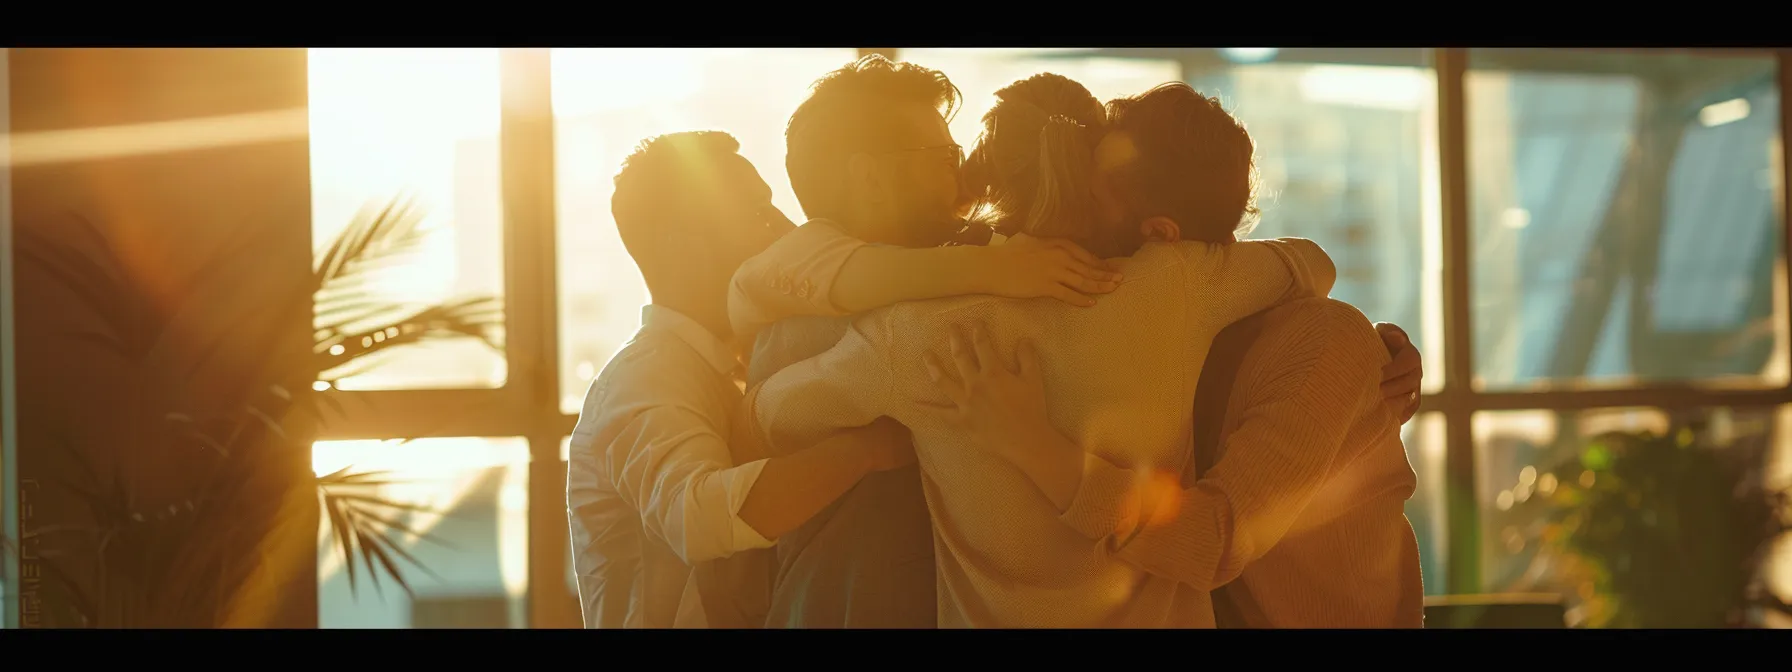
1329,314
651,366
1195,249
1326,327
823,223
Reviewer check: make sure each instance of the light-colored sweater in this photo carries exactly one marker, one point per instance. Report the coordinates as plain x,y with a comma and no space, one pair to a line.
1301,516
1120,378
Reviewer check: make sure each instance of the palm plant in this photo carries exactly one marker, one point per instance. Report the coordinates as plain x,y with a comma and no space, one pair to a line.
189,521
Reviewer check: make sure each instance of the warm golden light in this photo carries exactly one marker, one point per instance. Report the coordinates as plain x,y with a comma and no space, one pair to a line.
182,135
438,474
418,123
1718,114
605,102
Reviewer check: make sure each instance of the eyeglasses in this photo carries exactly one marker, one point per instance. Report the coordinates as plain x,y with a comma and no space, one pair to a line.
956,154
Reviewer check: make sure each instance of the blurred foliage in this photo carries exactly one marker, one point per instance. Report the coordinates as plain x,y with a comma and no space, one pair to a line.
1662,530
224,411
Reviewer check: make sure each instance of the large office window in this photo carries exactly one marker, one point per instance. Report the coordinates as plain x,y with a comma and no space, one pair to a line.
606,101
1626,228
1624,225
1620,216
449,514
418,126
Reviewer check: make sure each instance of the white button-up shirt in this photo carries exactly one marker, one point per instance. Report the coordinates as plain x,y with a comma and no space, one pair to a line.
651,487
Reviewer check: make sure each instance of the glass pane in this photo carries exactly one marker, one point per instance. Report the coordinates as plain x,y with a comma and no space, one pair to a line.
1424,439
419,124
1625,217
1347,151
572,578
471,568
606,101
980,72
1540,471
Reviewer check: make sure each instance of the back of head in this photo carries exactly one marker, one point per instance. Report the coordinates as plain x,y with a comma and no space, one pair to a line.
675,190
855,109
1034,160
1192,162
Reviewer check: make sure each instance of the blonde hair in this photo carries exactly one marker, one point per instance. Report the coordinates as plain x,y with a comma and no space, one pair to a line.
1034,161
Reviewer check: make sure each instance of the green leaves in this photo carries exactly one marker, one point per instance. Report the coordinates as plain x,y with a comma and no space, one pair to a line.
1669,531
1596,457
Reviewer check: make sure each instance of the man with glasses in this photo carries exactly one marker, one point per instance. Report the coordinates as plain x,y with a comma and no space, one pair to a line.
867,560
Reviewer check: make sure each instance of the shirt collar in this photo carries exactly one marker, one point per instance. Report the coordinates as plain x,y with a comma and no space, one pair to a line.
714,350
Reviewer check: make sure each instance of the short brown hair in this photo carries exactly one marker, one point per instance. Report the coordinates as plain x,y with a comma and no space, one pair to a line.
1196,162
849,111
665,184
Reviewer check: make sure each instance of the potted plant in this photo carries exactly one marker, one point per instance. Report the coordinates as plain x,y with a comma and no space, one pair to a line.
1668,530
198,546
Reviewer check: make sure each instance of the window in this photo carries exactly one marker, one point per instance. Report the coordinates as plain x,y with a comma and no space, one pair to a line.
1624,222
606,101
467,502
1427,508
979,73
419,124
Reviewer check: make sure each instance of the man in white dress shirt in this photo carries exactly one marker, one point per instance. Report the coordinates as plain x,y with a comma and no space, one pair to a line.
652,486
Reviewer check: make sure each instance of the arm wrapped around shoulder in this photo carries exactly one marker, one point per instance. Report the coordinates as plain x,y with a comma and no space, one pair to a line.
1242,278
795,276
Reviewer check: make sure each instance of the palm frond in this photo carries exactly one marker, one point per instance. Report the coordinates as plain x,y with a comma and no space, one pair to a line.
376,236
178,564
361,530
477,317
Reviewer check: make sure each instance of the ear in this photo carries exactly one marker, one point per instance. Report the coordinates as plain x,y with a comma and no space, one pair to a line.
1161,230
864,176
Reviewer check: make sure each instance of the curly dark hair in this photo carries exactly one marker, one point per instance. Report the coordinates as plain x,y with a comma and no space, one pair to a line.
854,110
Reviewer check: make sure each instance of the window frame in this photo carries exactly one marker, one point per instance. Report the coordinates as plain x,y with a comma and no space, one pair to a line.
528,404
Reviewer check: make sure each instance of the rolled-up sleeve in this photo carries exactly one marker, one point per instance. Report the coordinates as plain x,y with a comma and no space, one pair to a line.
1275,462
793,277
670,464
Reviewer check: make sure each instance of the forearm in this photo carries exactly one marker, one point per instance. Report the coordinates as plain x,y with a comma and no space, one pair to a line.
1273,464
1188,533
793,277
874,277
1249,276
793,488
847,386
1323,271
